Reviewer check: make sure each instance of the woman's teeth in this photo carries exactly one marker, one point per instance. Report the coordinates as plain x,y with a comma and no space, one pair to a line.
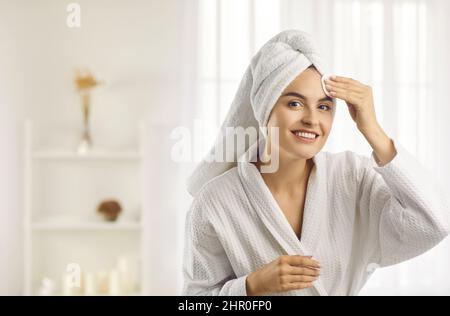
305,135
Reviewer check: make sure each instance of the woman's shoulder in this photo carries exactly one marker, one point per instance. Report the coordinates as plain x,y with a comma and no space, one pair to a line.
225,181
214,195
219,191
349,163
347,156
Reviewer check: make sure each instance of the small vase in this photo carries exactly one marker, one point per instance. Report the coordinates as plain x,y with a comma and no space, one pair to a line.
86,141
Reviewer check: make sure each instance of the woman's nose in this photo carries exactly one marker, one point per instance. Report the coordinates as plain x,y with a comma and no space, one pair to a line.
309,117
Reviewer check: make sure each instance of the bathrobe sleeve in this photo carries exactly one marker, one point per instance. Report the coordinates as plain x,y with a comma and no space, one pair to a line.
404,212
206,267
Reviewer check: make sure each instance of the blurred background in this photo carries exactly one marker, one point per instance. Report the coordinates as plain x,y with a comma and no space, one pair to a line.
94,95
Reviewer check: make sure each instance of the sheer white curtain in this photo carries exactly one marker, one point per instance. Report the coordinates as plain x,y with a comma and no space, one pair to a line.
400,48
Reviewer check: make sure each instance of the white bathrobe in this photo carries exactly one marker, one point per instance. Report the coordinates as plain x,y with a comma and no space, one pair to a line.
357,216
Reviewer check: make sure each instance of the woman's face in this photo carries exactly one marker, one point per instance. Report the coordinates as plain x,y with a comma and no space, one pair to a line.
303,105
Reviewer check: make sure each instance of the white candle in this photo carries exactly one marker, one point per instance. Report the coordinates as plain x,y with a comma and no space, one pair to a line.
125,277
103,282
90,284
114,282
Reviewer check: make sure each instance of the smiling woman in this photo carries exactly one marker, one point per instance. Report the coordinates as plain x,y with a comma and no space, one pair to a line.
303,110
315,224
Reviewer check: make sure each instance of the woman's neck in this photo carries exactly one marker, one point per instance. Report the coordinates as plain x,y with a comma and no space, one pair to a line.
291,175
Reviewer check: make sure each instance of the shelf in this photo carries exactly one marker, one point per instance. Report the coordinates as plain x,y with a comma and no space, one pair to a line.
62,188
98,155
101,226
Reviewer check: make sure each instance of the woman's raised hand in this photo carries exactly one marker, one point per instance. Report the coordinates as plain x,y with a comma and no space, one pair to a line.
358,97
359,100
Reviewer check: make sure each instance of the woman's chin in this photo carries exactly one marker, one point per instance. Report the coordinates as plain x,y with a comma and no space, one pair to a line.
301,153
305,155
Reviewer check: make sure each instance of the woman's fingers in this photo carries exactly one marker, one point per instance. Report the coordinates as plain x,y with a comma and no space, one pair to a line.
298,272
345,80
301,278
346,95
331,85
295,270
297,286
302,261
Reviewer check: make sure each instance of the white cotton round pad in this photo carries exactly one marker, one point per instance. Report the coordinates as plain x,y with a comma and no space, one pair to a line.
326,76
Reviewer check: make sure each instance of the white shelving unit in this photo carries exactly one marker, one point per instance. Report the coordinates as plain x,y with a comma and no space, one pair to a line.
62,226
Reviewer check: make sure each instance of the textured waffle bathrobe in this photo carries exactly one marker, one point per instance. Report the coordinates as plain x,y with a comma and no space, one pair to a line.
358,215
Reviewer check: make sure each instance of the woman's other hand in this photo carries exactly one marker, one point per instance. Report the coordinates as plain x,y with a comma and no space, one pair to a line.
286,273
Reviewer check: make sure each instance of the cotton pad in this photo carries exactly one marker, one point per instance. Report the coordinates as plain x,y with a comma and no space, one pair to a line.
323,84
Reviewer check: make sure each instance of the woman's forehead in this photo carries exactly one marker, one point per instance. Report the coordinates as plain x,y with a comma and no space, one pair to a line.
320,98
307,85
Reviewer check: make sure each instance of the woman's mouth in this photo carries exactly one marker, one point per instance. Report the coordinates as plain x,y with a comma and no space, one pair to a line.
304,137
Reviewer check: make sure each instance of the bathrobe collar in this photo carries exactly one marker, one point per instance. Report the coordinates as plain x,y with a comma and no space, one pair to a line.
272,216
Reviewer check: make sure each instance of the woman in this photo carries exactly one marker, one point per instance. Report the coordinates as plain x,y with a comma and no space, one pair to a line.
317,223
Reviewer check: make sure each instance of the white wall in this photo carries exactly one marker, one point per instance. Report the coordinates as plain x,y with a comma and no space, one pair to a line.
133,46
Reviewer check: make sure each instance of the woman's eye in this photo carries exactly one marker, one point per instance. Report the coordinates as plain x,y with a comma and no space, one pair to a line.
295,104
325,107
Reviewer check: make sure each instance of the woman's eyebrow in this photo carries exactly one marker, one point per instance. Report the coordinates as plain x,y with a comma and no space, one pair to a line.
301,96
